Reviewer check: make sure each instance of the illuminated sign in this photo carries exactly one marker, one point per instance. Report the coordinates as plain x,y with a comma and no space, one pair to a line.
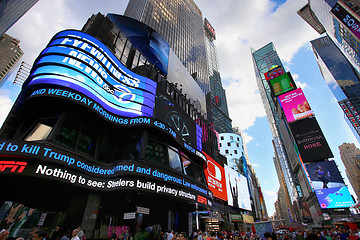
79,61
274,72
282,84
295,105
334,197
55,164
324,174
351,114
344,14
237,189
215,177
12,166
310,140
209,29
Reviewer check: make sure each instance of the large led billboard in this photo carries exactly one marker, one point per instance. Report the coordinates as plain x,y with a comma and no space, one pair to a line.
79,61
324,174
215,177
282,84
274,72
310,140
295,105
345,15
237,189
339,197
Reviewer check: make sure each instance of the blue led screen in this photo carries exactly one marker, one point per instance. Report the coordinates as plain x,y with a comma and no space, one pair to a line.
334,197
77,60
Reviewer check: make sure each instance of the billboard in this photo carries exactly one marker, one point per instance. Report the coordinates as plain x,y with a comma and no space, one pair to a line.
324,174
215,177
339,197
282,84
345,15
79,61
237,189
274,72
295,105
310,140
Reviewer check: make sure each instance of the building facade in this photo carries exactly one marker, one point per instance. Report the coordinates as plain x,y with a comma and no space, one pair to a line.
350,156
10,53
180,22
337,53
11,11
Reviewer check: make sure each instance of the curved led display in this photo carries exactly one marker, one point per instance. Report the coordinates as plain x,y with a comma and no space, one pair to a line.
78,61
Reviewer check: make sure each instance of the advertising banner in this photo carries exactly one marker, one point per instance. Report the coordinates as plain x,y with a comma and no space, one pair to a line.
344,14
282,84
339,197
274,73
215,177
324,174
310,140
295,105
237,189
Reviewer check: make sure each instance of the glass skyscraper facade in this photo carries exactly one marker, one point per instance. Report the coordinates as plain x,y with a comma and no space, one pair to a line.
180,22
263,59
11,11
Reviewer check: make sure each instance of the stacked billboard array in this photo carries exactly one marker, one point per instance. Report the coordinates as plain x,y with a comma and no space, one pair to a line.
311,144
227,184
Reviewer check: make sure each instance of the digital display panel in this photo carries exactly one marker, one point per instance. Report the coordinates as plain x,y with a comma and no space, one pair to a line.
282,84
310,140
343,14
324,174
334,197
274,73
215,177
77,60
237,189
295,105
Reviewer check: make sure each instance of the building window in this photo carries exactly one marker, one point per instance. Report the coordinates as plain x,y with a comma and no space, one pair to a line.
174,159
235,151
41,131
156,152
229,144
226,151
238,139
191,169
231,137
237,145
222,138
220,144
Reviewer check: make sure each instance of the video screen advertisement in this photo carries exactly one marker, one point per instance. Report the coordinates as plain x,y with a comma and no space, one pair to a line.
295,105
274,72
282,84
324,174
237,189
215,177
310,140
339,197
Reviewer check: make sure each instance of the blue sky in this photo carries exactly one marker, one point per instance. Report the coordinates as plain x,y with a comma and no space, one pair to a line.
239,25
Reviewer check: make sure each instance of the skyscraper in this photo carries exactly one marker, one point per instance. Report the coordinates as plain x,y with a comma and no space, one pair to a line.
180,22
11,11
337,53
350,155
10,53
218,103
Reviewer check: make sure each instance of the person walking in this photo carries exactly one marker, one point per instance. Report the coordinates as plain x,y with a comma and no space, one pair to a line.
75,234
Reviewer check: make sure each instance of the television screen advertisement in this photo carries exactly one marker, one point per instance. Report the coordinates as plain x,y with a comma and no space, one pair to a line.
334,197
295,105
274,73
237,189
324,174
282,84
310,140
215,177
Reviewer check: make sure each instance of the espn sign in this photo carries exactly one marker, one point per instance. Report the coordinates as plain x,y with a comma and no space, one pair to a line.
12,166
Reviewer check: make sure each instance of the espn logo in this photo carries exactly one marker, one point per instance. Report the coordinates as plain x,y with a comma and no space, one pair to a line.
201,199
214,171
13,166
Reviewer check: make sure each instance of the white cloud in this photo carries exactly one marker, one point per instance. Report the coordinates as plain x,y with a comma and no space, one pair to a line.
255,165
301,85
266,182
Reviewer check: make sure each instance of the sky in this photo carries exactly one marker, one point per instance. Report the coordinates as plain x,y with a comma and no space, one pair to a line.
240,25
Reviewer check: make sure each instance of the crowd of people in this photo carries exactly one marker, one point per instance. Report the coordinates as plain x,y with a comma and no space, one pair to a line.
42,234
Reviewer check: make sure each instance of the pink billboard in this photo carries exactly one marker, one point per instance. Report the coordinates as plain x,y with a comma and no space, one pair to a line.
295,105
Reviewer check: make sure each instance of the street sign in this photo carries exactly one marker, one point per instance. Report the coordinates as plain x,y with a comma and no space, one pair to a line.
130,215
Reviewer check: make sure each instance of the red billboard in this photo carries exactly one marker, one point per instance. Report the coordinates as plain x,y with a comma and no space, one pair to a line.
295,105
215,177
274,72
